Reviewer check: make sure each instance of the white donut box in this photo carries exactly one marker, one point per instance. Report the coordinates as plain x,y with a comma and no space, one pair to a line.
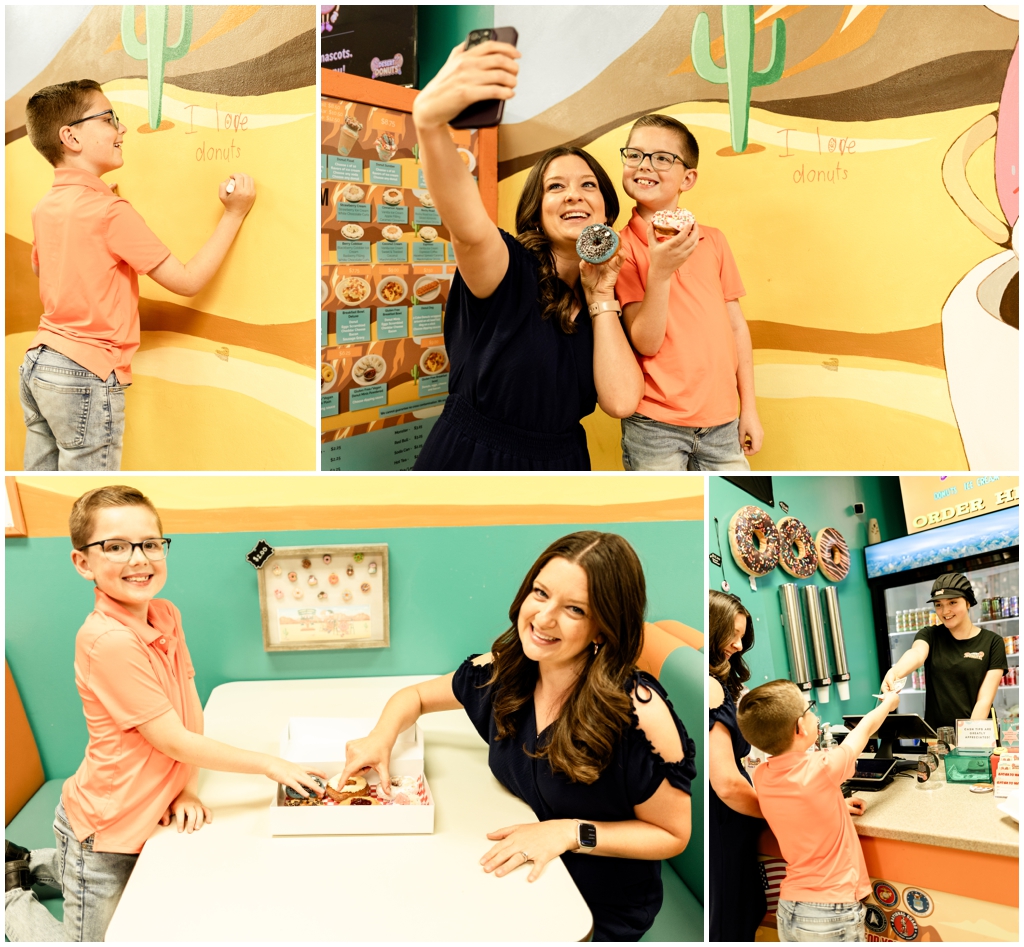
319,742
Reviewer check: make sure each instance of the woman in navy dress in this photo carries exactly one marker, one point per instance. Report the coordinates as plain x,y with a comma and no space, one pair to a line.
532,332
737,893
590,743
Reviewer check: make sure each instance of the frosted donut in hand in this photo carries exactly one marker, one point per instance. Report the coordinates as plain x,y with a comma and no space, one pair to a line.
754,540
833,554
797,554
354,786
667,223
597,243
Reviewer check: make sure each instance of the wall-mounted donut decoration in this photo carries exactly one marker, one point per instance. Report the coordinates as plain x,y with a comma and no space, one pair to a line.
754,540
797,554
833,554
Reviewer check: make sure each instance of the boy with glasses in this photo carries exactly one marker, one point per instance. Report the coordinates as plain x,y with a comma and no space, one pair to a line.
799,794
679,297
88,250
145,723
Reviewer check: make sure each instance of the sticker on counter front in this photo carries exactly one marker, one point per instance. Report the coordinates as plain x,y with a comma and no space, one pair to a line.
975,733
875,920
886,894
426,215
383,172
388,214
329,405
903,925
426,320
345,169
353,251
354,212
918,901
323,327
388,252
433,384
392,322
352,326
427,252
369,397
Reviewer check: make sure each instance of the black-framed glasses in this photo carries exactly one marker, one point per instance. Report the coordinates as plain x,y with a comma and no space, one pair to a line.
121,550
812,706
660,160
109,115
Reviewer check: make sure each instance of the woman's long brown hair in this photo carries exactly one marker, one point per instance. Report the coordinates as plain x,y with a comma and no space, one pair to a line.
731,672
598,709
557,298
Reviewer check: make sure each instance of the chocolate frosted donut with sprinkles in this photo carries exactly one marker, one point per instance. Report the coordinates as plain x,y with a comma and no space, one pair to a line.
833,554
597,243
754,540
797,554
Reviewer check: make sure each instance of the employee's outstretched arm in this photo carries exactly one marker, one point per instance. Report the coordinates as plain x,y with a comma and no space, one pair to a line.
911,660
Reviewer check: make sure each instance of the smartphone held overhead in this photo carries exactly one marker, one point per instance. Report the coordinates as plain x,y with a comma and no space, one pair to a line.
488,113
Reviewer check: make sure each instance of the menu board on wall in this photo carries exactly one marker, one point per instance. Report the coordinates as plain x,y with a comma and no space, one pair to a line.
386,270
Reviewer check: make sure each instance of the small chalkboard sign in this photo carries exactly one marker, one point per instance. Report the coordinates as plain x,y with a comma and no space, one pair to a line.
261,552
716,559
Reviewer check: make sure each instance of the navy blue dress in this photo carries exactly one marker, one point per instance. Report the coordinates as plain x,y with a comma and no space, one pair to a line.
738,901
623,894
518,384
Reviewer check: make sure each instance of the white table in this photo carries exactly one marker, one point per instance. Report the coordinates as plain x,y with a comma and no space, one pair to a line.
233,881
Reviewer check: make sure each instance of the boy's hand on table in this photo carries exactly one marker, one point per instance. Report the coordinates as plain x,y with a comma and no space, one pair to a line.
241,199
541,841
751,433
670,253
856,806
188,811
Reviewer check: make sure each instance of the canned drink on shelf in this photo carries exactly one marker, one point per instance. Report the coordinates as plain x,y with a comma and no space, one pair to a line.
1014,606
1008,644
986,612
1004,606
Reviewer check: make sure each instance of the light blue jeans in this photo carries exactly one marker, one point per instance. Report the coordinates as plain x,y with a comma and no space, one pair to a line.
653,445
75,420
91,883
809,921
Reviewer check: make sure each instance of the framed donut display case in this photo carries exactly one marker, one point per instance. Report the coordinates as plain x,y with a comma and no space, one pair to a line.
315,598
386,268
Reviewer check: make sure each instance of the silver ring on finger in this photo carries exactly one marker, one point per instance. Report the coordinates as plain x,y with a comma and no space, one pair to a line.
526,858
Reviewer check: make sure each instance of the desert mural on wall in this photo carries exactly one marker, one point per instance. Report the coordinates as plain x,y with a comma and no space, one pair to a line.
225,379
862,162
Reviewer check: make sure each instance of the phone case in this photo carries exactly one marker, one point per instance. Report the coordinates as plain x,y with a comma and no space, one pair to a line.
488,113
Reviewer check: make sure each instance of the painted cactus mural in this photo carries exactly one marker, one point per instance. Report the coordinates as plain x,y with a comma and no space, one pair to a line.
155,51
738,72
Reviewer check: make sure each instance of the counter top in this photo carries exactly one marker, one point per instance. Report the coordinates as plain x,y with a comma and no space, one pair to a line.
938,813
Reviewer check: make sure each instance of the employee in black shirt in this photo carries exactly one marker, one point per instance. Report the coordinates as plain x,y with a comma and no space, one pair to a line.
962,662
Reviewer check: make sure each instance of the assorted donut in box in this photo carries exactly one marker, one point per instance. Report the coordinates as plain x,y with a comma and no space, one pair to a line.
356,805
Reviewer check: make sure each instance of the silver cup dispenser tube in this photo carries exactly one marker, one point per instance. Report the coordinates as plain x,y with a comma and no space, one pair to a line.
819,651
793,623
835,624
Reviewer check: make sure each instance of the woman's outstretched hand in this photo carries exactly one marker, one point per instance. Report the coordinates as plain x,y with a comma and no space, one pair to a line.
370,752
599,279
486,71
540,841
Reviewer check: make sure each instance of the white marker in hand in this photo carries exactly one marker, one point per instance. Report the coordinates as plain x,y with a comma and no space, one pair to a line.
231,186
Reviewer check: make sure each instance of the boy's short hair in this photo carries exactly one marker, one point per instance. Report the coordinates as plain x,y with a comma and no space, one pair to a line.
767,716
690,151
53,107
83,513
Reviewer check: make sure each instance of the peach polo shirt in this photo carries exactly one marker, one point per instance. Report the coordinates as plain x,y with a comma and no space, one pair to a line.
691,382
800,797
128,673
90,245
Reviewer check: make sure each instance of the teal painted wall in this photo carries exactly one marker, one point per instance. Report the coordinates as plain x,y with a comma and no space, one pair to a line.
818,502
450,593
440,28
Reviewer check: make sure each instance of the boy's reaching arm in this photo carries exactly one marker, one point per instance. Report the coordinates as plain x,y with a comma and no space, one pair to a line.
187,279
751,433
858,737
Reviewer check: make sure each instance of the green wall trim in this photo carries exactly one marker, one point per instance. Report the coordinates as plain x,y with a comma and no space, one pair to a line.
450,593
440,28
818,502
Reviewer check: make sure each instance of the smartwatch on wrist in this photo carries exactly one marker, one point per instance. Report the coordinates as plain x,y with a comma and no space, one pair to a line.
610,305
586,837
